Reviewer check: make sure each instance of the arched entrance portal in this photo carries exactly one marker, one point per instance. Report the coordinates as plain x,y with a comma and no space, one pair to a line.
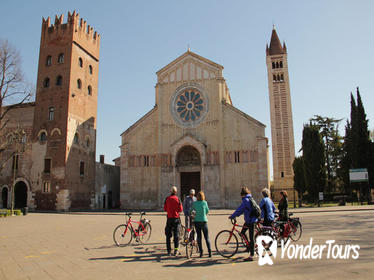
20,195
188,163
4,197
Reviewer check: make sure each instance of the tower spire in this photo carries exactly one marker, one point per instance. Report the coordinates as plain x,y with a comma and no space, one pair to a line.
275,44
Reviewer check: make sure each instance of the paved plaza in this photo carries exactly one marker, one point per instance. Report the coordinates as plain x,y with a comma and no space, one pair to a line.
80,246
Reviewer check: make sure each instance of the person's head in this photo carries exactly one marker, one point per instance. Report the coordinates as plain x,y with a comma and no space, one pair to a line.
266,192
200,195
192,192
284,193
244,191
173,190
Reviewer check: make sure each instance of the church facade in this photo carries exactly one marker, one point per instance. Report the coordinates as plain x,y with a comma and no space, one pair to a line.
193,138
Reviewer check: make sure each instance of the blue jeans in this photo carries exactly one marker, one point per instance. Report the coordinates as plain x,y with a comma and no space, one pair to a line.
202,226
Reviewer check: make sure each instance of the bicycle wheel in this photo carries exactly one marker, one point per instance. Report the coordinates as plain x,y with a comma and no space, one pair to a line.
281,234
182,234
226,243
121,236
191,245
145,234
296,230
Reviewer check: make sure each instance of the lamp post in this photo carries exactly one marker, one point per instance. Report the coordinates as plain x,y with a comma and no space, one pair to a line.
19,141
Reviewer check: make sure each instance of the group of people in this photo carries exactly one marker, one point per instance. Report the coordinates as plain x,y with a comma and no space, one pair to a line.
199,208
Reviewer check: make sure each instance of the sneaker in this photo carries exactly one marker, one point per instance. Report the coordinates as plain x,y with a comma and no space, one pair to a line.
249,259
169,254
176,252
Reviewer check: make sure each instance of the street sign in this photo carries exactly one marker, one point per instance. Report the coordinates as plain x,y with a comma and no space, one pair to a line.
358,175
320,195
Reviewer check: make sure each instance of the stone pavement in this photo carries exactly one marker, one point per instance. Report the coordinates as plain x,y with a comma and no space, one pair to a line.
80,246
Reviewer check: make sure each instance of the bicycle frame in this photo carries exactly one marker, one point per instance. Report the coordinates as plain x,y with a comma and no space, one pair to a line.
140,228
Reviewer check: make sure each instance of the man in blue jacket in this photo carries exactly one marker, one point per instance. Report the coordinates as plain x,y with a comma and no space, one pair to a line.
250,220
267,208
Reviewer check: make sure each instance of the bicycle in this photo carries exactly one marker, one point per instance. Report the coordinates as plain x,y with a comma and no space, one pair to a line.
190,240
139,230
292,228
227,242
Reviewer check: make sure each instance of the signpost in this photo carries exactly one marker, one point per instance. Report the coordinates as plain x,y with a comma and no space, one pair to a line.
359,175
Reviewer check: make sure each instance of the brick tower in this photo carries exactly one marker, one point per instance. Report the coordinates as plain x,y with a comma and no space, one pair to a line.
64,128
282,136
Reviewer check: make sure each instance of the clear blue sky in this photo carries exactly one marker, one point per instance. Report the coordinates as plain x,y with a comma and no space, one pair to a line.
330,52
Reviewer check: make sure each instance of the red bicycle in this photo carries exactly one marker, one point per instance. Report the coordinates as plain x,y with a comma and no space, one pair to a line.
139,230
227,242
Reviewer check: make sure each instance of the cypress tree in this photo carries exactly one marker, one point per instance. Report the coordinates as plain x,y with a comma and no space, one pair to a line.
314,161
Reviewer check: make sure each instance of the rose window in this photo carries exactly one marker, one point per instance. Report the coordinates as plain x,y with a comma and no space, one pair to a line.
190,105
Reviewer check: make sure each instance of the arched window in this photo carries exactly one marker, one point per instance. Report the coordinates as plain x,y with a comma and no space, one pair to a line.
60,58
273,64
281,78
274,78
49,60
277,65
76,139
59,80
80,62
43,137
46,82
79,84
51,113
281,64
278,77
10,138
89,90
90,69
88,142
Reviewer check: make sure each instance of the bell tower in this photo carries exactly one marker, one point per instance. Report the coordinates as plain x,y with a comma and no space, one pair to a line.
282,136
64,128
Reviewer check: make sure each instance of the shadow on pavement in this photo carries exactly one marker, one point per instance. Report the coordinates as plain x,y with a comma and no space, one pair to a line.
151,256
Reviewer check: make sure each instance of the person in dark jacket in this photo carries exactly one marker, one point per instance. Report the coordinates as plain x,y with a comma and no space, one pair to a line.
283,206
267,208
246,208
173,207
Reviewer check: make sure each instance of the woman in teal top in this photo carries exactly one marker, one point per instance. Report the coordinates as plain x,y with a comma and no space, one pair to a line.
201,221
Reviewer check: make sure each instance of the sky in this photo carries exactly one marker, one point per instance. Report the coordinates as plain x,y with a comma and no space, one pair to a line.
329,43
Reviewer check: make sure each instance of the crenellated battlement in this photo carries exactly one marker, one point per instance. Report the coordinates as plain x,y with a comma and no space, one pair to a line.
75,29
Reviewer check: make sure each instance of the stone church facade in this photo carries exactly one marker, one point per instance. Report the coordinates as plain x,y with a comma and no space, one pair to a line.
193,138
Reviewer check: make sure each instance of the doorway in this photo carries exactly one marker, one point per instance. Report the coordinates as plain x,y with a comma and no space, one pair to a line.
189,180
20,195
4,197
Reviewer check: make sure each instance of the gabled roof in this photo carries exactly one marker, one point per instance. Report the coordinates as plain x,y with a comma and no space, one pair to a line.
246,116
192,54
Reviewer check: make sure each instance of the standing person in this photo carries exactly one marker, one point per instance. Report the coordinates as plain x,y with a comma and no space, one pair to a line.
187,204
250,220
267,208
201,221
283,206
173,207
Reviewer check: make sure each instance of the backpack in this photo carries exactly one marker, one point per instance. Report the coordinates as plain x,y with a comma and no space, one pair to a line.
256,210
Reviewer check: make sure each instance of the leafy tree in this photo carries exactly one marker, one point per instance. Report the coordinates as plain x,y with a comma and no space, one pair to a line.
314,161
329,130
299,178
